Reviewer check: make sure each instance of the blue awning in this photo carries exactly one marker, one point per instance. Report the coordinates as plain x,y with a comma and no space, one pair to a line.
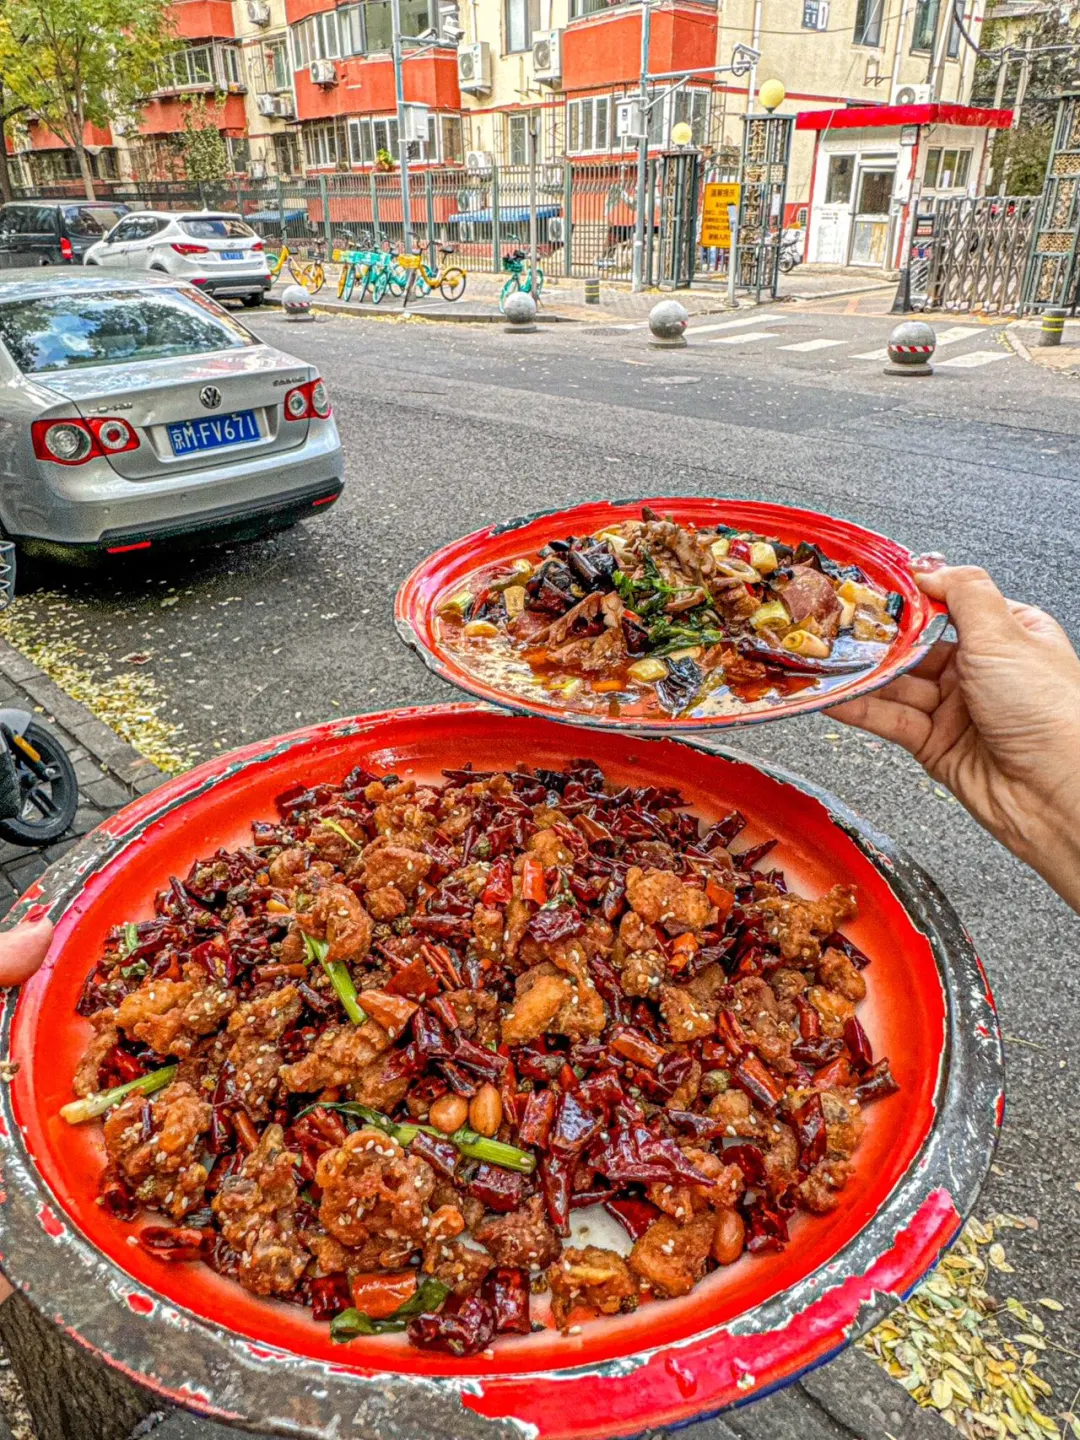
274,217
515,214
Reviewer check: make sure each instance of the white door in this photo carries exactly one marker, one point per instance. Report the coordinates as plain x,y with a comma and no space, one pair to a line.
833,219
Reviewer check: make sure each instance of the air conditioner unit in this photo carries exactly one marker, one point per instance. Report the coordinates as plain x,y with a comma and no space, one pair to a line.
257,169
552,179
547,57
474,67
913,95
479,162
323,72
258,12
629,124
267,104
556,230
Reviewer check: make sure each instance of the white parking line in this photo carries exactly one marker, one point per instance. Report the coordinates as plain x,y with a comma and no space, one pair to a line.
972,358
744,339
811,345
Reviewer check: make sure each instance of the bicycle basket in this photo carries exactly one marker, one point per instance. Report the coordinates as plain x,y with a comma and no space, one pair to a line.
7,573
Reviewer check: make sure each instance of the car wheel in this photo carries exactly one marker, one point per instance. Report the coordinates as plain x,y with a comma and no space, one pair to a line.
252,300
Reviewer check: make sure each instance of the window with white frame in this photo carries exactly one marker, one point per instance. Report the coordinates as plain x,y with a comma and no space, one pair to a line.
667,109
363,29
517,139
588,125
522,23
278,76
691,106
200,67
370,134
322,145
946,169
453,143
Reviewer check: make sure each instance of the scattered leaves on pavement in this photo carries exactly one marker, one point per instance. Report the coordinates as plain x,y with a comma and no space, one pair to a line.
129,703
961,1351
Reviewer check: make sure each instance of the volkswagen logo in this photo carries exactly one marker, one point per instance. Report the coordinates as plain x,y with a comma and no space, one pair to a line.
210,396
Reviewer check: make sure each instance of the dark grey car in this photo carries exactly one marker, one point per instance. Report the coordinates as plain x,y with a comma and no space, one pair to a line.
53,232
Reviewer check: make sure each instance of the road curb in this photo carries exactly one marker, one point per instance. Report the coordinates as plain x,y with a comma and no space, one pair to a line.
464,317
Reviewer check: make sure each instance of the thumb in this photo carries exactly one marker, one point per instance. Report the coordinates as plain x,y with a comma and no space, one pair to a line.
977,607
23,949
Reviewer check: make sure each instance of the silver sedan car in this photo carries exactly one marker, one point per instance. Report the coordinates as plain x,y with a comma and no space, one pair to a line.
139,411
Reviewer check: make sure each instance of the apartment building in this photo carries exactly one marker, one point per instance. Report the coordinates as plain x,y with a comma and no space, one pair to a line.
307,86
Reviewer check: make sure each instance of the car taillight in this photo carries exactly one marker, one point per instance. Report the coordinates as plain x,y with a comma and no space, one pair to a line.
73,442
308,402
258,245
191,249
66,252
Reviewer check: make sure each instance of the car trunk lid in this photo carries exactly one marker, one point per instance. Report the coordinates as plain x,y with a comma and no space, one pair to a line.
192,413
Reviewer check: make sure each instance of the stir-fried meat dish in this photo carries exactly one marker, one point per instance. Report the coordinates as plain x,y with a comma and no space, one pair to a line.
650,617
373,1063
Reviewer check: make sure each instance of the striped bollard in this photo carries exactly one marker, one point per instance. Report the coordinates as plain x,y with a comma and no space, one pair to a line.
1053,327
592,290
910,347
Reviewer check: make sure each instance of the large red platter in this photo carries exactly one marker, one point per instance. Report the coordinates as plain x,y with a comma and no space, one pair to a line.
203,1342
443,574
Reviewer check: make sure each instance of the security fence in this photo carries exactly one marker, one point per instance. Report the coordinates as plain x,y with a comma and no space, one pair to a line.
585,212
972,254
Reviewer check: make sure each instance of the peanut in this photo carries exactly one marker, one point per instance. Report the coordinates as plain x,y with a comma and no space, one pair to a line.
485,1110
728,1237
449,1113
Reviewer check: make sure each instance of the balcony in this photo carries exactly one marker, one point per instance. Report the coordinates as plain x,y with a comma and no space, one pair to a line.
602,43
206,68
365,86
164,115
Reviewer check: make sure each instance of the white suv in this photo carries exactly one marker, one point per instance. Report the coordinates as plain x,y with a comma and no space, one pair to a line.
220,253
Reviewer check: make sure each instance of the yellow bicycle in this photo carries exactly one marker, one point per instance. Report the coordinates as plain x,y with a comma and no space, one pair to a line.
308,273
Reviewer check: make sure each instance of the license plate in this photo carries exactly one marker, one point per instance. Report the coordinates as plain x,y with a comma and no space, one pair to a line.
213,432
232,254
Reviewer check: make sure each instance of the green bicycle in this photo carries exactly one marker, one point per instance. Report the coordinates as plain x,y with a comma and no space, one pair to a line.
515,264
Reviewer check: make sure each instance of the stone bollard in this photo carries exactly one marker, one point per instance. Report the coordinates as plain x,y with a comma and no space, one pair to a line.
910,347
592,290
667,321
520,312
297,303
1053,327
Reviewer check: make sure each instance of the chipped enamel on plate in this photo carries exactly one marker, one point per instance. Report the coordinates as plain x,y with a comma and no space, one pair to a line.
200,1341
500,679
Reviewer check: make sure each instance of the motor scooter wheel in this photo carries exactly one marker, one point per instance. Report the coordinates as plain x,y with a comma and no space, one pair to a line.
48,790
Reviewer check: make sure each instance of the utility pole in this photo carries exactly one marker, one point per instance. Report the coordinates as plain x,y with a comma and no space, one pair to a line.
638,264
403,144
534,127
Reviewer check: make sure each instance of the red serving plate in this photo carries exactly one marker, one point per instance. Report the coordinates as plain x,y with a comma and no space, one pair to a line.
883,561
202,1341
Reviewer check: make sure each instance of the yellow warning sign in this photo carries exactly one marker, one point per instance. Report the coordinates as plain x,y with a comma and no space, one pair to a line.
715,220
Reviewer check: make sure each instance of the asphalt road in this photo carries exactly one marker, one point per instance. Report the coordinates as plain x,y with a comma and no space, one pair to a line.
447,428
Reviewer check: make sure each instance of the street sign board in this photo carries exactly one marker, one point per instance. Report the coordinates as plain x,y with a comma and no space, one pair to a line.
924,227
715,219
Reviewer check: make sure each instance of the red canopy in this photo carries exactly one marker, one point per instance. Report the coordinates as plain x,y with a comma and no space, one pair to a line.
873,117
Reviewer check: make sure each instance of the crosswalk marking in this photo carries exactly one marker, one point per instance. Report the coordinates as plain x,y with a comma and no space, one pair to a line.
957,332
972,358
803,345
744,338
736,324
872,355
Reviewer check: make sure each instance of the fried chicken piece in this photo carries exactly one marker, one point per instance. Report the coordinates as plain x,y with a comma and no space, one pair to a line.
386,903
599,1279
523,1238
796,925
397,865
726,1184
338,917
670,1257
660,897
460,1266
155,1144
101,1042
683,1016
339,1056
372,1187
171,1015
255,1028
836,971
820,1191
540,994
256,1209
643,973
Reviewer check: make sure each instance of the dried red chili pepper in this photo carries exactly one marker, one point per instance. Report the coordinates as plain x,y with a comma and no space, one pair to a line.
499,889
808,1122
536,1122
754,1078
635,1216
876,1084
858,1044
506,1289
637,1047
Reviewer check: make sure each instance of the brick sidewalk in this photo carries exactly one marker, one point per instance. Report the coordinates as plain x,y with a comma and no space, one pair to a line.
50,1389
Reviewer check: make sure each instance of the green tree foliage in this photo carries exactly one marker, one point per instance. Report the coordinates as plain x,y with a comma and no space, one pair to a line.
206,156
1045,45
79,62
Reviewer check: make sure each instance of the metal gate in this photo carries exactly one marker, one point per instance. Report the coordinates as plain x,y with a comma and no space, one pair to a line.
1053,279
671,247
972,254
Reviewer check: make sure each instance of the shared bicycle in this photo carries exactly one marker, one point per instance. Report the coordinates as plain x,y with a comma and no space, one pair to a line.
520,278
308,272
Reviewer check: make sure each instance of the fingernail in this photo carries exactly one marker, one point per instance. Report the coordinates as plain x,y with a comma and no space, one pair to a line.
930,561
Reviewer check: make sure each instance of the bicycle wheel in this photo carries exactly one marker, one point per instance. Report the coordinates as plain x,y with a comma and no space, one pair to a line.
275,264
379,285
350,283
396,280
343,281
514,283
539,281
452,286
365,283
317,278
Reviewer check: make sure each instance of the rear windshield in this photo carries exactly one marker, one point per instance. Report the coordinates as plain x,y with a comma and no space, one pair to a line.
69,332
92,219
217,227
